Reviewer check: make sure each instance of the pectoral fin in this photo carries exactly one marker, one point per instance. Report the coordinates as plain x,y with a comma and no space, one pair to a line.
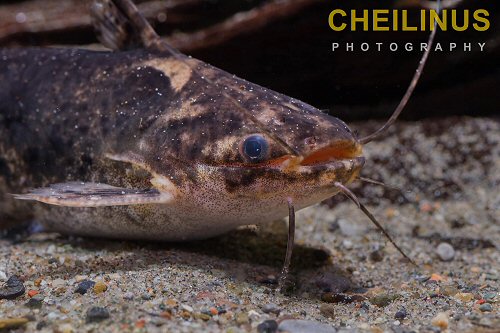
80,194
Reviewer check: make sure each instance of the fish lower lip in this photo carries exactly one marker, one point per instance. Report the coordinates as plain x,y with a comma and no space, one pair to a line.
348,163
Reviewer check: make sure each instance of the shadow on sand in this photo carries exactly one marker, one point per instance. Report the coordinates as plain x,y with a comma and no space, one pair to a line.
259,253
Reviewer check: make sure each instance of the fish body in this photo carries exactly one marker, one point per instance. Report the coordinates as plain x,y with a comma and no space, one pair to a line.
148,144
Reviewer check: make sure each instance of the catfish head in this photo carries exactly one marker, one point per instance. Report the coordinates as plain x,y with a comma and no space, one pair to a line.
237,151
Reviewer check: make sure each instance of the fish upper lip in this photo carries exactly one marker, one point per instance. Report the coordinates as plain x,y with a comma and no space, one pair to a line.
334,152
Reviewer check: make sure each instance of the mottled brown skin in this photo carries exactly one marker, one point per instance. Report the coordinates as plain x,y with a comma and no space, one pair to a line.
145,119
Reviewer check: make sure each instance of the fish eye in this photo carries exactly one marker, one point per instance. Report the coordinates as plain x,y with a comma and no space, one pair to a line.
255,148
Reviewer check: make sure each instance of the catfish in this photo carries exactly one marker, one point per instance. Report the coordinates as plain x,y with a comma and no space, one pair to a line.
144,142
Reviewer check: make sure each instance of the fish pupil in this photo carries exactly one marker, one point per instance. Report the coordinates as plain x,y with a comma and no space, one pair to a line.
255,147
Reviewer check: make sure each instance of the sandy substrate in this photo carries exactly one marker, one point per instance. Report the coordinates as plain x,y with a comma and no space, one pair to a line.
344,274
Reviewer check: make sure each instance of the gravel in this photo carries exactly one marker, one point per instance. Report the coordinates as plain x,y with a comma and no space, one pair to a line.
97,314
268,326
327,310
441,320
486,307
13,288
84,286
304,326
229,283
271,308
401,314
445,251
35,302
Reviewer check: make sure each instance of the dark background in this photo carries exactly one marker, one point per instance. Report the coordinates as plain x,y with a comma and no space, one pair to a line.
286,45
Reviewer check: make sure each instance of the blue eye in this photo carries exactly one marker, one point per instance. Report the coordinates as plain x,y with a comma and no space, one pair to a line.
255,148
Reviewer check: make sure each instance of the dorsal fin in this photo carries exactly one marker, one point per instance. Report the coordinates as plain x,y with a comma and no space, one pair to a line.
120,26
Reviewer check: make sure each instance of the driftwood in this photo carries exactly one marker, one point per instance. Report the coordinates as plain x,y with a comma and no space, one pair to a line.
48,16
42,16
240,23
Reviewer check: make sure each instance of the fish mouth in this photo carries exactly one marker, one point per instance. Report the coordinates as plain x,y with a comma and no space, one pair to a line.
337,151
334,155
340,161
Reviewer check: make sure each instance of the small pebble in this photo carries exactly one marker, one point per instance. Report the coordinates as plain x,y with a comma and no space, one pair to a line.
271,308
305,326
445,251
40,325
377,255
486,307
489,296
186,308
96,314
427,207
58,283
241,318
84,286
350,229
383,299
464,297
51,249
171,302
65,328
441,320
333,226
347,243
13,288
35,302
330,281
436,277
12,323
100,287
449,290
80,278
51,316
146,296
32,293
253,315
128,296
202,316
185,314
401,314
327,310
268,326
422,278
208,312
